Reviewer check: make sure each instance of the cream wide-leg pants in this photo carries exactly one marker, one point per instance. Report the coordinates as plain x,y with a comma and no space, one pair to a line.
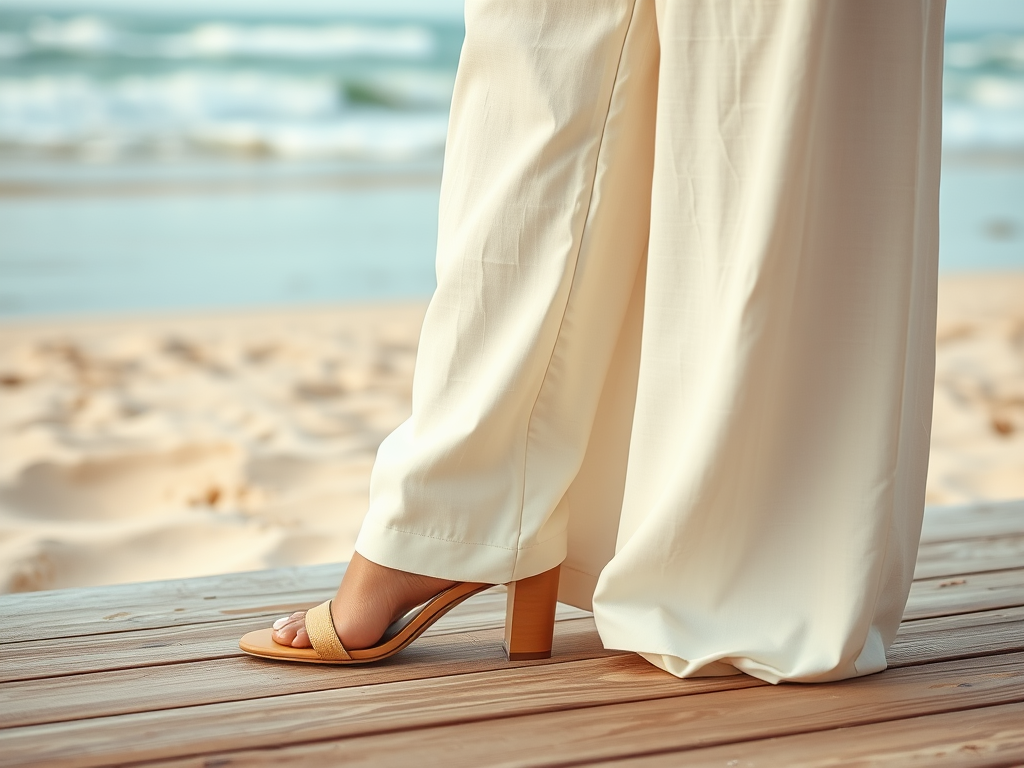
682,341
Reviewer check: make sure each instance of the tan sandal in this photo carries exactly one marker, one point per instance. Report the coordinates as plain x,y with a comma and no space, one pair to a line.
529,626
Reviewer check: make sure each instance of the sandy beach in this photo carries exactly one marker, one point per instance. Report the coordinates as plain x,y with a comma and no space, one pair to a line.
166,447
173,446
977,450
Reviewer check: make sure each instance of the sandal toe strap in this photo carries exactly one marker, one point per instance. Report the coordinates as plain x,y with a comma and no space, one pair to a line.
320,628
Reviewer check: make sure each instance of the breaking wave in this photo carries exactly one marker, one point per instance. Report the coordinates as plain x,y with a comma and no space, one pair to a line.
984,93
92,35
250,112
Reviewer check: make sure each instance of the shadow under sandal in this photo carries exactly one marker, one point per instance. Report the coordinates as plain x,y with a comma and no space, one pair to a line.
529,626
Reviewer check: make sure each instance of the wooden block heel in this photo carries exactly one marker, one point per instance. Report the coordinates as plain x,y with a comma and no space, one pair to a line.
530,616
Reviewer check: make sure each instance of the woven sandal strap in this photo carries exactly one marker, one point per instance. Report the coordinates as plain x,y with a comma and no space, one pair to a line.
320,628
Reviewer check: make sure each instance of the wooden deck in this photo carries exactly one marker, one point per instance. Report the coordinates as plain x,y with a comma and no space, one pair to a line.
151,674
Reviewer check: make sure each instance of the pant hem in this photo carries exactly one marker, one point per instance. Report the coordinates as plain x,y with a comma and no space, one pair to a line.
457,560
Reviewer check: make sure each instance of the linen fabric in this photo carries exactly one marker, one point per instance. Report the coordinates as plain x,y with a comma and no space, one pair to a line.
683,335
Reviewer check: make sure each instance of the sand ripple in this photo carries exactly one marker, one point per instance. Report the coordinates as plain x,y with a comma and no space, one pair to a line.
164,448
978,430
160,448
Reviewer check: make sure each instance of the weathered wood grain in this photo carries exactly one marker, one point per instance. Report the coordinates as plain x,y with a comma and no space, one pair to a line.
92,611
952,558
89,615
973,521
945,596
168,686
960,636
591,734
152,672
126,649
352,711
989,736
138,649
98,610
32,660
312,716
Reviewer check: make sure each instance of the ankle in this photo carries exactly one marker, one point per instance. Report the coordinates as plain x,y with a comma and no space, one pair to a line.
372,596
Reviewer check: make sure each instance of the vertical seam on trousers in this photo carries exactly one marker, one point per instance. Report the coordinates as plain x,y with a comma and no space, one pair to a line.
572,280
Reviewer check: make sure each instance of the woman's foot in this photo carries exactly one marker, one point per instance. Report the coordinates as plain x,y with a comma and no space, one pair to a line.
369,599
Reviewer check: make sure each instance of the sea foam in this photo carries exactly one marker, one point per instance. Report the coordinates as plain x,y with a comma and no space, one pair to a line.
230,111
91,34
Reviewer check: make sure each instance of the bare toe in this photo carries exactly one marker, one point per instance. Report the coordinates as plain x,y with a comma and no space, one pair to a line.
291,631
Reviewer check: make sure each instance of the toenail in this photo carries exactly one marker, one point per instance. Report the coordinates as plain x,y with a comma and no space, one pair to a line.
281,622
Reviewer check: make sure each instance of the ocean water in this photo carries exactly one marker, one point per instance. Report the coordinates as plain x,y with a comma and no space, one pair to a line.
173,157
202,250
103,87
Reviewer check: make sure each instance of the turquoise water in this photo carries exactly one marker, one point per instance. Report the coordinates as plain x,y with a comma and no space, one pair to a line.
153,159
981,216
202,250
194,249
118,86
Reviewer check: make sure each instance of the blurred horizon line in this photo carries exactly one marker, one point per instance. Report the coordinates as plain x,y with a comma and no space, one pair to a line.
385,9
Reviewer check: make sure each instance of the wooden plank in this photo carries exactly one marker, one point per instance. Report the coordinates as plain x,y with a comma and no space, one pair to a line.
978,737
123,650
29,660
951,558
184,630
927,599
927,640
930,598
969,521
312,716
93,611
355,711
208,640
960,636
598,733
69,613
98,610
945,596
143,689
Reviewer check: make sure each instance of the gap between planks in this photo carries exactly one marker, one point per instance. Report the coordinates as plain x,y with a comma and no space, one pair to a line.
94,610
950,535
610,731
985,736
971,556
309,716
217,680
972,521
88,613
129,649
144,689
967,593
934,600
139,648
